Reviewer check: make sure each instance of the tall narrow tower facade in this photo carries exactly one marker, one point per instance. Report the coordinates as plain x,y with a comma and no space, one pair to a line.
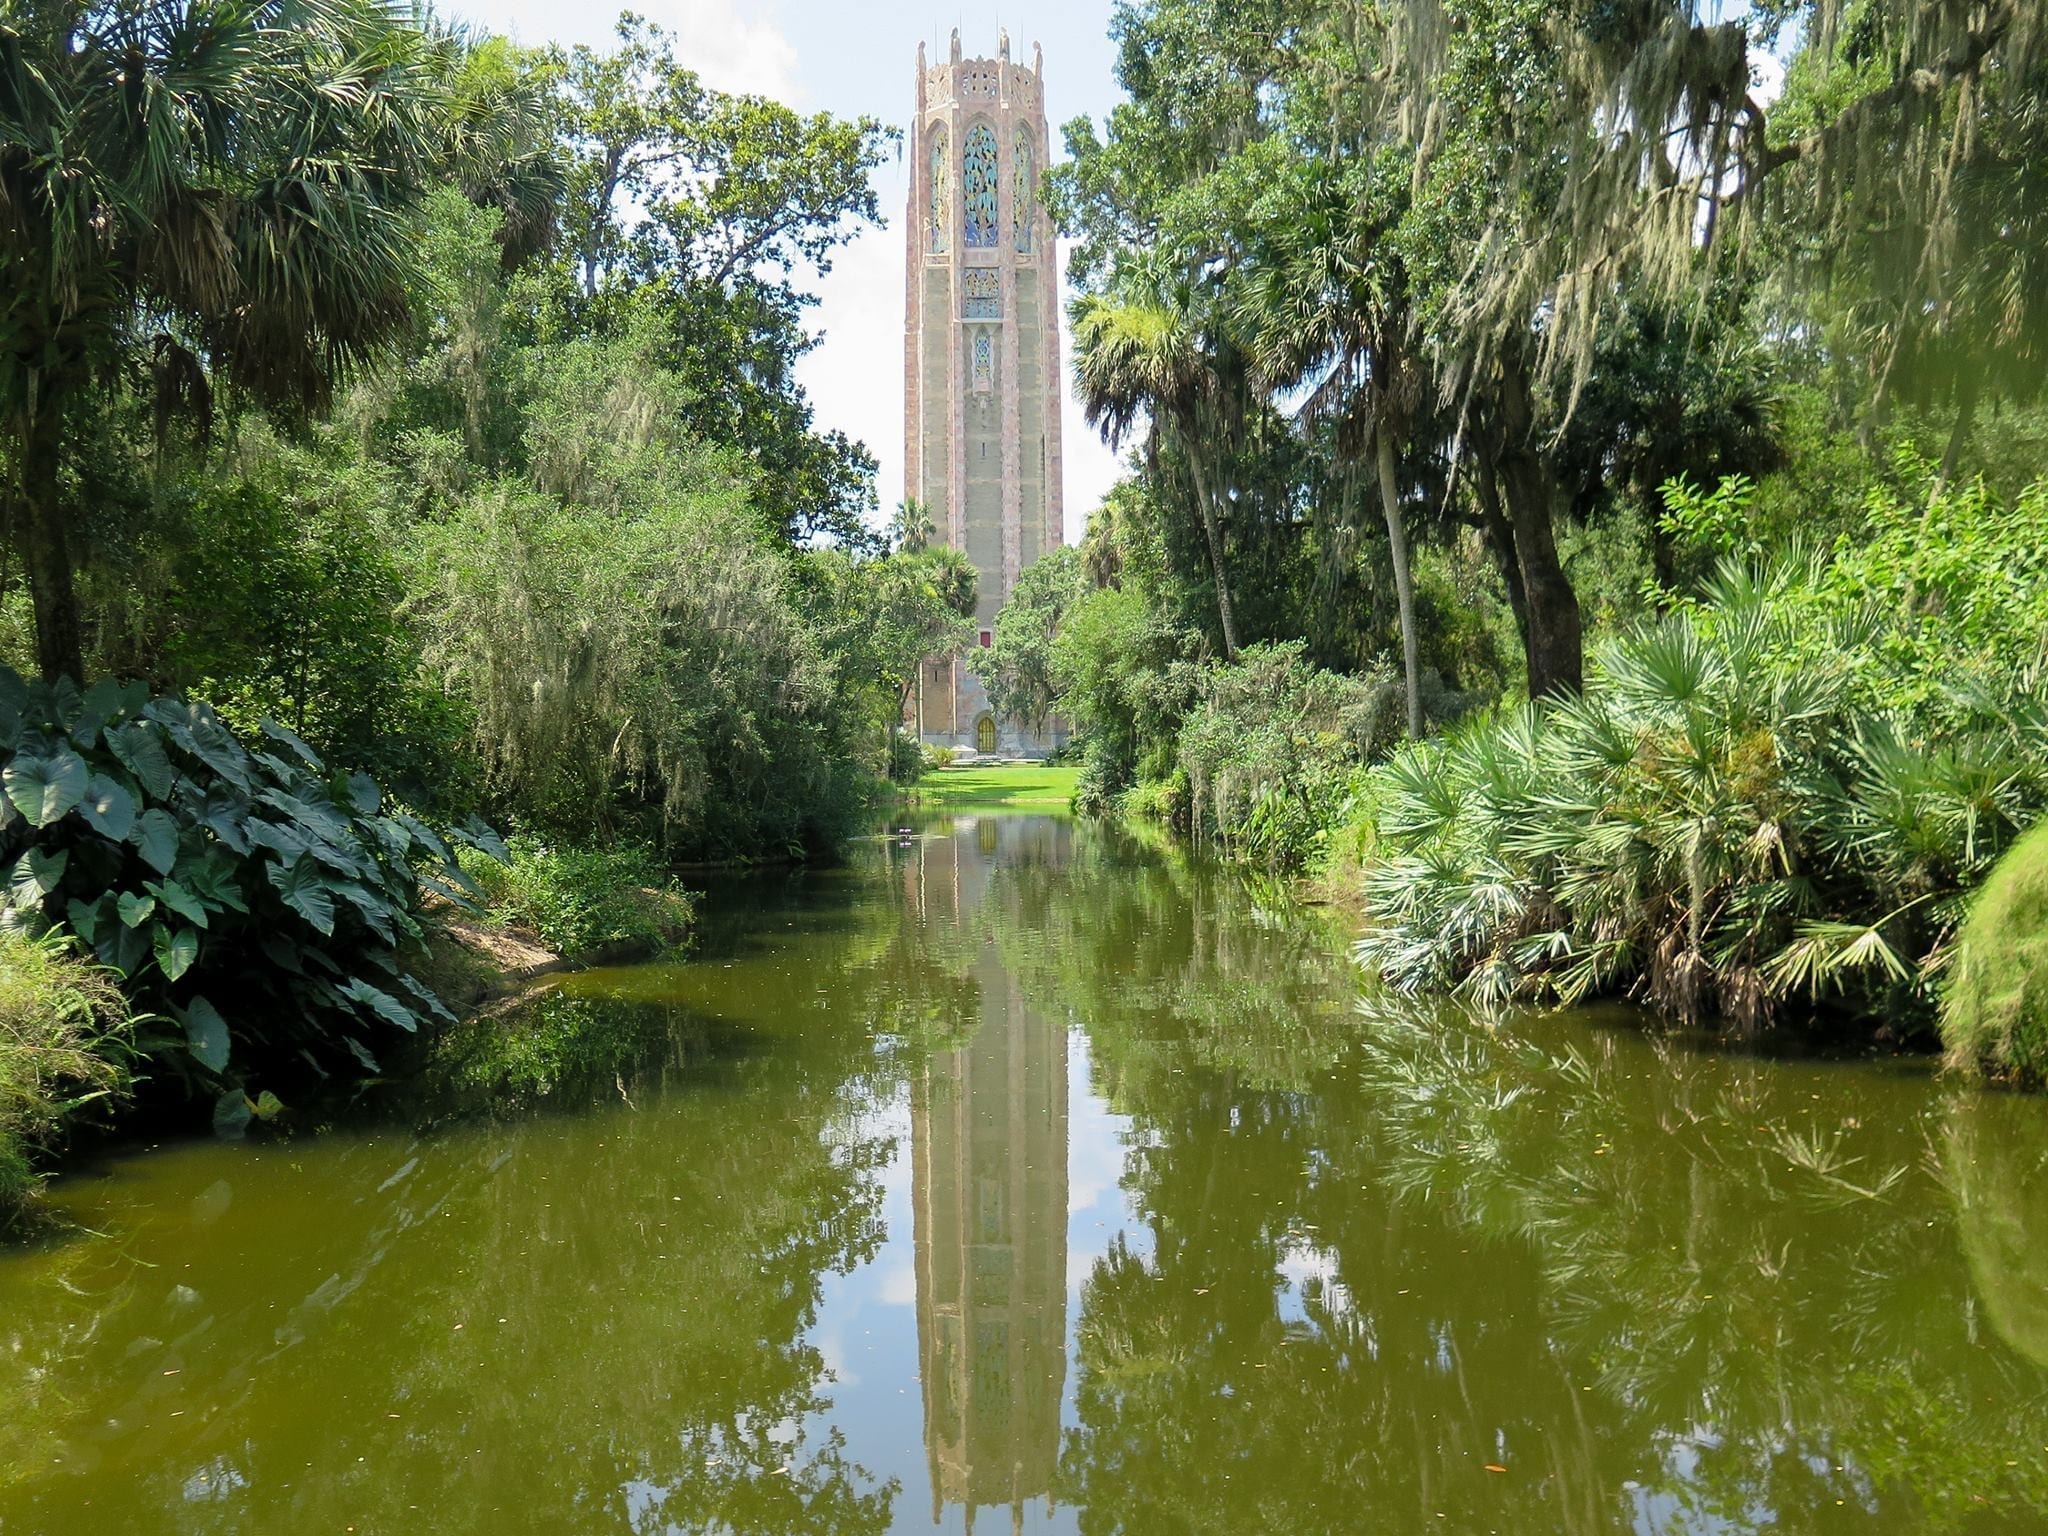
981,356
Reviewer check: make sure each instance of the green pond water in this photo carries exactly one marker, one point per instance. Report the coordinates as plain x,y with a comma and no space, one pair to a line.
1016,1174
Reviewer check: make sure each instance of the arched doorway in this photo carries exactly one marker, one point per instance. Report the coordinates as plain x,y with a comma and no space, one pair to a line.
985,734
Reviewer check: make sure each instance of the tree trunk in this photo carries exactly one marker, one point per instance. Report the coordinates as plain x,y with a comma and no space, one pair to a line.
1500,537
1555,643
1215,537
1404,585
1959,438
46,549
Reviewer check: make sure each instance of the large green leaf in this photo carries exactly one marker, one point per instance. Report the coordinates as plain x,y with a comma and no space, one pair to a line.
156,834
231,1115
364,795
218,749
305,891
212,879
53,707
179,900
382,1004
226,815
483,837
287,842
207,1033
335,859
108,808
35,875
426,995
377,913
312,815
44,788
136,910
85,918
103,701
176,949
282,951
306,754
122,947
140,747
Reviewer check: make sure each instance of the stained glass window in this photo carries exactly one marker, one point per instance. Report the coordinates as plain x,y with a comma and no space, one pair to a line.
978,185
984,362
1023,190
984,294
941,199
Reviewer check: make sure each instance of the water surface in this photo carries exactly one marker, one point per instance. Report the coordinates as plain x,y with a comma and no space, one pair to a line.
1016,1174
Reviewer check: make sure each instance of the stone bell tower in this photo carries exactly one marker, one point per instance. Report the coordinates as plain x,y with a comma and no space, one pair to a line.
981,358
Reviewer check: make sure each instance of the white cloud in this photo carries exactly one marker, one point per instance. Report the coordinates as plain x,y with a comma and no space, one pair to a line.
732,49
743,54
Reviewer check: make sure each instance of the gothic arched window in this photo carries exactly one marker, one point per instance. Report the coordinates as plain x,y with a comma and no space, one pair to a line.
1023,190
941,198
978,185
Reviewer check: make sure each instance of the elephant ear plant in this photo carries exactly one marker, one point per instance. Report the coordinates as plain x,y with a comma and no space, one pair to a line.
249,897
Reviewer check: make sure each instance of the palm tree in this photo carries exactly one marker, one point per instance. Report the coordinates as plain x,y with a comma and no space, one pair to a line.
499,136
208,189
1141,353
1322,300
913,527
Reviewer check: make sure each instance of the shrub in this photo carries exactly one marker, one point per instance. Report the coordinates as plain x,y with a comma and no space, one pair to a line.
939,757
1122,672
906,759
281,604
644,672
1270,751
1994,1011
584,901
64,1043
251,897
1763,796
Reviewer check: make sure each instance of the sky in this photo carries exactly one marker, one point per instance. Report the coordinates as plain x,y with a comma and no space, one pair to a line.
854,57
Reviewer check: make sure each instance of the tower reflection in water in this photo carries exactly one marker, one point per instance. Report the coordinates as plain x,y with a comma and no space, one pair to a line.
989,1184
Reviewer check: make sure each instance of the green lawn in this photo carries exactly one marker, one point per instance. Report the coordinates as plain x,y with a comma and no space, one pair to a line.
1023,787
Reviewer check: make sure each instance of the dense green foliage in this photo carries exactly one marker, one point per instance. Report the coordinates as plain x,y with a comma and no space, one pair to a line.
1661,454
1780,790
1270,749
253,899
201,196
585,903
1994,1011
423,410
63,1047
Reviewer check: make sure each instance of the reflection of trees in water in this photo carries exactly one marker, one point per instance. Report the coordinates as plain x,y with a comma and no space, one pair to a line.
1167,962
1996,1157
1752,1257
1668,1290
636,1287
